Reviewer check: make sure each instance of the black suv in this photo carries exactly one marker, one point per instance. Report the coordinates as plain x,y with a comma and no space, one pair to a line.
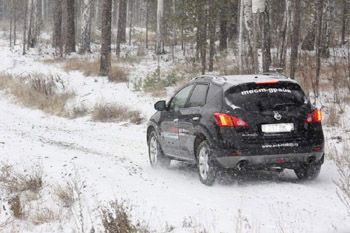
240,121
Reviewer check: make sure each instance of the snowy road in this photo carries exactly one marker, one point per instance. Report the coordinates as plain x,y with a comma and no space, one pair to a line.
112,161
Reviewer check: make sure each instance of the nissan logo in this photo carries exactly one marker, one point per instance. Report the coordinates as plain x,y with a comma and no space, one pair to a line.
277,116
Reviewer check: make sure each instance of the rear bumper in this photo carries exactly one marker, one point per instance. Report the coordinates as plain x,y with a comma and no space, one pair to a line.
292,160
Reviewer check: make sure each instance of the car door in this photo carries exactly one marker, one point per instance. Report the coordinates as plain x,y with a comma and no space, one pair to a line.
189,117
170,122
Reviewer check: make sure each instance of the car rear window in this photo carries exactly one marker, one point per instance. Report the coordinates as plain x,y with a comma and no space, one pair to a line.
266,97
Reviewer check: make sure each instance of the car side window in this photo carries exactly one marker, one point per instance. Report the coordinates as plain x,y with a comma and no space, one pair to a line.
198,96
179,100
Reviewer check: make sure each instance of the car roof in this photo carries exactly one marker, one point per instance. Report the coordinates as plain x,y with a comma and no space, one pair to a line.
233,80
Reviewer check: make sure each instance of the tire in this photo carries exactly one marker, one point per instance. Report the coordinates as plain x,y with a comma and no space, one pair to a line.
155,154
206,166
308,172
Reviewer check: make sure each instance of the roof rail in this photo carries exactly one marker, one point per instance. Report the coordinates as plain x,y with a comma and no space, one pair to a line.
276,71
205,76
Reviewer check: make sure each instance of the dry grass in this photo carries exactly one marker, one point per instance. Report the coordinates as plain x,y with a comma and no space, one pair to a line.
16,207
333,117
44,215
92,68
87,67
226,67
79,111
15,182
117,218
342,160
65,194
118,74
115,113
37,91
189,69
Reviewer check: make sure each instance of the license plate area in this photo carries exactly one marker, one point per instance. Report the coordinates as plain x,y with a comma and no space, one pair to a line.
277,128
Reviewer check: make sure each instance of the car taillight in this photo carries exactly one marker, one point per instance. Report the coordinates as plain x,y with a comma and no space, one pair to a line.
315,116
224,120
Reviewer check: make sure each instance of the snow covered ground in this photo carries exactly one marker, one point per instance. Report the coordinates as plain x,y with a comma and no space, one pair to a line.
111,161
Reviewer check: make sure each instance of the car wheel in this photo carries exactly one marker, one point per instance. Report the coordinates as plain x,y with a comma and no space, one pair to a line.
155,154
206,166
308,172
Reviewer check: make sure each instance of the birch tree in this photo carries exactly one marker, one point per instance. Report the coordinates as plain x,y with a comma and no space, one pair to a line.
25,23
160,27
284,33
318,44
295,38
261,7
248,22
85,29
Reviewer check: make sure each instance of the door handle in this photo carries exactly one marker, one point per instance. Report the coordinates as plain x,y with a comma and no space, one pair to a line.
195,118
176,120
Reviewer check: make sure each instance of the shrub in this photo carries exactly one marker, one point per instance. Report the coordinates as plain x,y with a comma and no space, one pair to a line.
14,182
155,82
79,111
117,218
16,207
38,92
115,112
333,117
342,161
87,67
118,74
65,194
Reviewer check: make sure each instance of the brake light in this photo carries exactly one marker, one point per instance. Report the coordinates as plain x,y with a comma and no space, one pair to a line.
266,82
315,116
224,120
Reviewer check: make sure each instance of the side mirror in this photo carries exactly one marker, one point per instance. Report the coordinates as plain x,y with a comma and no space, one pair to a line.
160,105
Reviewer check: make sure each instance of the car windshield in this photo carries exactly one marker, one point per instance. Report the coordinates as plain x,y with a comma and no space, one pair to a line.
266,97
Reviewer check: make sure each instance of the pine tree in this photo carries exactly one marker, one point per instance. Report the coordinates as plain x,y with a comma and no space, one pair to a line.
106,33
70,34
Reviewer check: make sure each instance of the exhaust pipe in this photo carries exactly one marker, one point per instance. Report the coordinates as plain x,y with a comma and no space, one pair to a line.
242,164
311,160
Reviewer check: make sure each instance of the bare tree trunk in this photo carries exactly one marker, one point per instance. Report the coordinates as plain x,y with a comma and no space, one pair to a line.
121,37
122,21
318,44
241,42
15,22
70,34
295,38
248,20
160,27
57,38
309,40
223,24
174,24
25,26
31,35
202,32
212,31
266,39
11,18
147,19
284,33
131,6
115,13
344,20
106,37
85,29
